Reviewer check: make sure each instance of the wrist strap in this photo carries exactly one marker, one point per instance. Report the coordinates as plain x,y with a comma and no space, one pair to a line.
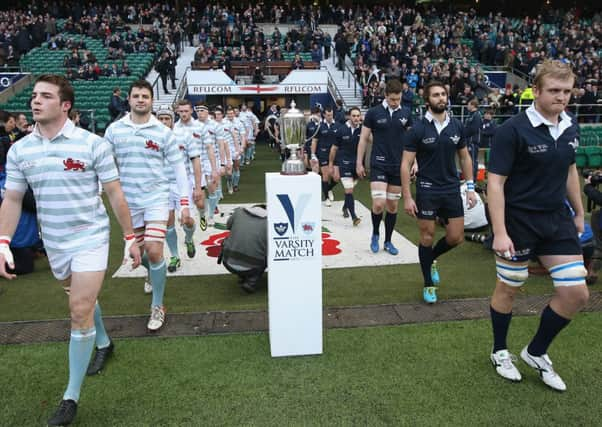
470,185
5,240
129,236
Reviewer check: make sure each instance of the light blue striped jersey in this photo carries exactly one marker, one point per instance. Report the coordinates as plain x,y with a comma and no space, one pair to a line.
226,130
207,142
250,120
188,138
143,152
63,174
240,127
210,127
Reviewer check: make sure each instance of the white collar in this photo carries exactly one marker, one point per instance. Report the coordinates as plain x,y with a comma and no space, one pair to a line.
152,121
67,130
386,107
348,123
431,118
537,119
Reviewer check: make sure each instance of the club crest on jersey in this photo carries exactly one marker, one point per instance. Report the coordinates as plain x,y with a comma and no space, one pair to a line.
574,143
151,145
74,165
455,139
403,121
280,228
182,147
196,135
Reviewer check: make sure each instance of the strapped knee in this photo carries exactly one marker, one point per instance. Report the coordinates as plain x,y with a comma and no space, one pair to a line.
155,232
348,183
378,194
139,235
569,274
393,196
511,274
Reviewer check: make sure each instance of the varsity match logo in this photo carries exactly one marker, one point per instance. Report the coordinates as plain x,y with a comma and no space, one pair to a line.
455,139
74,165
151,145
295,213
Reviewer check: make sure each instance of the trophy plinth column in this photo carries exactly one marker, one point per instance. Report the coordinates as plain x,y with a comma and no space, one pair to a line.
294,264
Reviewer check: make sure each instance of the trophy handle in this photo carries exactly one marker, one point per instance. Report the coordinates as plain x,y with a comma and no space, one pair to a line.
267,126
314,119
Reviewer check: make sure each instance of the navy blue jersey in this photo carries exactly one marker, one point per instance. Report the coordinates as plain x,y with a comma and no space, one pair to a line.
436,155
347,141
536,165
387,134
310,130
326,136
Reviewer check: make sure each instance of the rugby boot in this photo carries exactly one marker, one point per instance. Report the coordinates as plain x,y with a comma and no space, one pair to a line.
157,318
374,246
203,223
503,362
174,264
390,248
190,249
100,358
65,413
429,294
543,365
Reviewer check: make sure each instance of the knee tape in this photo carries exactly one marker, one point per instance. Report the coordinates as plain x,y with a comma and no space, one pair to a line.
348,183
139,235
155,232
511,274
568,274
393,196
377,194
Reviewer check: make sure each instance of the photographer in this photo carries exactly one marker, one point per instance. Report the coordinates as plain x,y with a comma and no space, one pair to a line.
245,250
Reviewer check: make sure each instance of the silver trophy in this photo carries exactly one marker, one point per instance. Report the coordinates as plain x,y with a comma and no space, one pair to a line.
291,135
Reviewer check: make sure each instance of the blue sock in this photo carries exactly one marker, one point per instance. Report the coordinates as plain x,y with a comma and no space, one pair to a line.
188,232
252,150
172,240
144,260
236,178
229,180
219,192
102,338
81,345
248,153
212,204
158,272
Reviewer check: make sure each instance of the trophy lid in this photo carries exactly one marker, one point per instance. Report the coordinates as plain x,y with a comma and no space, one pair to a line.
293,112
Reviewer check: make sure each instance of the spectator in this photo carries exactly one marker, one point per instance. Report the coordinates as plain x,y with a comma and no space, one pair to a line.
117,106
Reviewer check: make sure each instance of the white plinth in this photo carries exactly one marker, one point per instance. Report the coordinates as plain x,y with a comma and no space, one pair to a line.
294,264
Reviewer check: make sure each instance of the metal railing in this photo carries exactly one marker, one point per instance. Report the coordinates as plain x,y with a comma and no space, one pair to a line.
334,91
182,86
581,111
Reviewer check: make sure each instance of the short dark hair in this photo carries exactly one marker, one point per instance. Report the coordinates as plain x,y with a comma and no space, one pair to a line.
183,102
431,84
66,92
141,84
355,108
393,86
328,109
